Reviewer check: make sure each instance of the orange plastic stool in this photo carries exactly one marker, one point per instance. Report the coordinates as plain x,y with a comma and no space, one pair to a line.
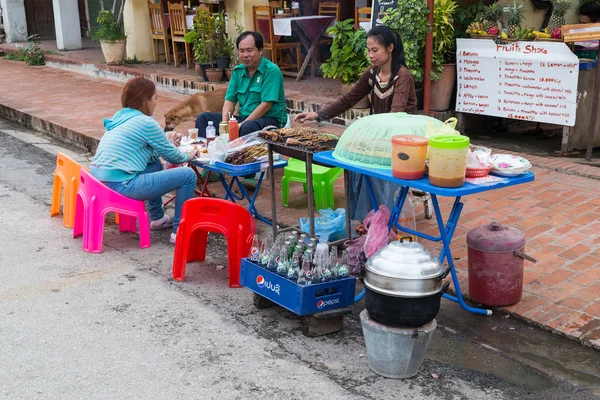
66,178
202,215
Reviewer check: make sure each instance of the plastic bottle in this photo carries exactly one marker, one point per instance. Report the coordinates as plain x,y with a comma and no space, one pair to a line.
211,132
234,128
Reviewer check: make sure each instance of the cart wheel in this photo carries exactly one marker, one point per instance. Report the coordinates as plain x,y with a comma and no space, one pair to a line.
262,302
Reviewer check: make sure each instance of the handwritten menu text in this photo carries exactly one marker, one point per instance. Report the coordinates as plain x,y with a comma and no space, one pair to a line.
532,81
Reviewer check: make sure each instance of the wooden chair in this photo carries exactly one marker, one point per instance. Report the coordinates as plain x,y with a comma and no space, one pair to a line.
330,8
274,5
158,29
178,31
357,16
275,48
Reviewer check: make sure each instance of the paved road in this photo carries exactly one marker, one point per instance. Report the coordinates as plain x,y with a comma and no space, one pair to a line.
84,326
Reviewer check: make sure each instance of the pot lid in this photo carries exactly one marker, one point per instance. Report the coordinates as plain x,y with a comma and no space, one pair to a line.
496,238
405,259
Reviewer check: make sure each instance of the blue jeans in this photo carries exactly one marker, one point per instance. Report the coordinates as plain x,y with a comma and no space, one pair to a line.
154,182
246,128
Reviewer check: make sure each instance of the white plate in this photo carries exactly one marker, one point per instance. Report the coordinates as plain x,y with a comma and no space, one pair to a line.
508,162
508,172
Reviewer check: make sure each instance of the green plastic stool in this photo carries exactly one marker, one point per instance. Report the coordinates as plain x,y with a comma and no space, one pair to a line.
323,180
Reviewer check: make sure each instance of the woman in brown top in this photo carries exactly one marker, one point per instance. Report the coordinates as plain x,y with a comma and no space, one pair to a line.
392,89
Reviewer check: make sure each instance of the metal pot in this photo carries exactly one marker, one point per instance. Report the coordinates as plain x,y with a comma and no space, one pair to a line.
405,269
496,254
408,312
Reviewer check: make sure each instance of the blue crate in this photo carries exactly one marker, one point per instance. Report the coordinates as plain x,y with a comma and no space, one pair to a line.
301,300
250,168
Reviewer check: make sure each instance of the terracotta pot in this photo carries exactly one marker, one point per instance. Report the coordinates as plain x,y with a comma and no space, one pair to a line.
114,52
214,74
228,73
364,103
198,69
441,91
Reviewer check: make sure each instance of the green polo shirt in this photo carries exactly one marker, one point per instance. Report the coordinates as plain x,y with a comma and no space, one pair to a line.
266,85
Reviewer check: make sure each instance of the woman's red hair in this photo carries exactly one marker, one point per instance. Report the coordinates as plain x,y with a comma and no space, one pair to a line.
137,93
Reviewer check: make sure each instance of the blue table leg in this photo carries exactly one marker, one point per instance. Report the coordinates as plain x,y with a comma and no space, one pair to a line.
370,192
446,237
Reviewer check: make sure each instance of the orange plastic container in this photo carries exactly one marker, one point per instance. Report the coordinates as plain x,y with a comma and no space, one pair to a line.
408,156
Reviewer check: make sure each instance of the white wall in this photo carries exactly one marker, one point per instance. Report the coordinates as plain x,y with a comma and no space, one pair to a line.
66,23
15,23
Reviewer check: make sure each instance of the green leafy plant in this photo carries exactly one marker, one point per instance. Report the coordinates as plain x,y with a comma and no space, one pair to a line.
239,29
348,53
409,20
109,28
467,13
32,54
202,37
444,44
133,60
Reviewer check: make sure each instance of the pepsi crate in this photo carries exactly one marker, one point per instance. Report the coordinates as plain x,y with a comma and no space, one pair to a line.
299,299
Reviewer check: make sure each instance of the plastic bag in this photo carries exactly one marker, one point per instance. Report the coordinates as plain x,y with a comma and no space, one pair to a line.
245,141
447,128
353,248
378,234
407,217
330,226
478,157
217,149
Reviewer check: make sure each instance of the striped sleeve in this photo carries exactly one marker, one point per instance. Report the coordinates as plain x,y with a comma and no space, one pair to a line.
156,138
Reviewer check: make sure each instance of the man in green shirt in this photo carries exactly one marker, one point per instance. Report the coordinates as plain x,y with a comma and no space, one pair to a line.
256,85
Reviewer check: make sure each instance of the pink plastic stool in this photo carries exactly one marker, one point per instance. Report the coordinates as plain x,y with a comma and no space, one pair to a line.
202,215
94,201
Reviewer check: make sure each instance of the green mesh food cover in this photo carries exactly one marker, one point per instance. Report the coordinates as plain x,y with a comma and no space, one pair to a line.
368,141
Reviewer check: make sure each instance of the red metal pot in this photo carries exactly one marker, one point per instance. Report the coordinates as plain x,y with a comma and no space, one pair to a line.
496,258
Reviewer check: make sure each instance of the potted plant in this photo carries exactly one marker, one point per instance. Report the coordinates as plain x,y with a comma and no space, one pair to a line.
409,20
202,41
111,37
214,74
443,71
348,58
223,46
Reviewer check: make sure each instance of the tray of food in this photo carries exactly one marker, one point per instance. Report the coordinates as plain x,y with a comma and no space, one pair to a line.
304,139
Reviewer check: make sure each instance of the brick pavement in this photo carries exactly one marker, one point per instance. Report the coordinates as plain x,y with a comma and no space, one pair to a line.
559,212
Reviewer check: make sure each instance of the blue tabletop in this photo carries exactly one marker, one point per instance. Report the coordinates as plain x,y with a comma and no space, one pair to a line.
423,184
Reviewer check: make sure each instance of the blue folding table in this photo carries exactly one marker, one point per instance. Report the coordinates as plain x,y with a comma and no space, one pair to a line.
447,229
235,175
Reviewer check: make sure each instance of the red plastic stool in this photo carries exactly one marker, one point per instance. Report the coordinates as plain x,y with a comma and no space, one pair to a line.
94,201
202,215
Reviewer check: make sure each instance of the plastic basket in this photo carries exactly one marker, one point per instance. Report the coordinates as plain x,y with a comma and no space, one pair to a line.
478,172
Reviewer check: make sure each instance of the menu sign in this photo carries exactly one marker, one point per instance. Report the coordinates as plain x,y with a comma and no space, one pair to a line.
532,81
379,9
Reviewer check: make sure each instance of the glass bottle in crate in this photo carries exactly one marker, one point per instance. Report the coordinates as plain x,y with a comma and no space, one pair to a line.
307,265
282,262
255,249
265,249
273,257
343,270
292,273
302,280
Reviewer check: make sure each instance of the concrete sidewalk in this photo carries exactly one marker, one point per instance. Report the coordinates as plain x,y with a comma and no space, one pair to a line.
559,212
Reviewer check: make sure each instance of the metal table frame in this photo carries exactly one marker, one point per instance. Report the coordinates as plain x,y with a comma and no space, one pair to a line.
235,175
446,229
307,157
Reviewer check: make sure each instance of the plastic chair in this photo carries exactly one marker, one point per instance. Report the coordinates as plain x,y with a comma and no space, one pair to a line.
94,201
323,180
66,179
202,215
